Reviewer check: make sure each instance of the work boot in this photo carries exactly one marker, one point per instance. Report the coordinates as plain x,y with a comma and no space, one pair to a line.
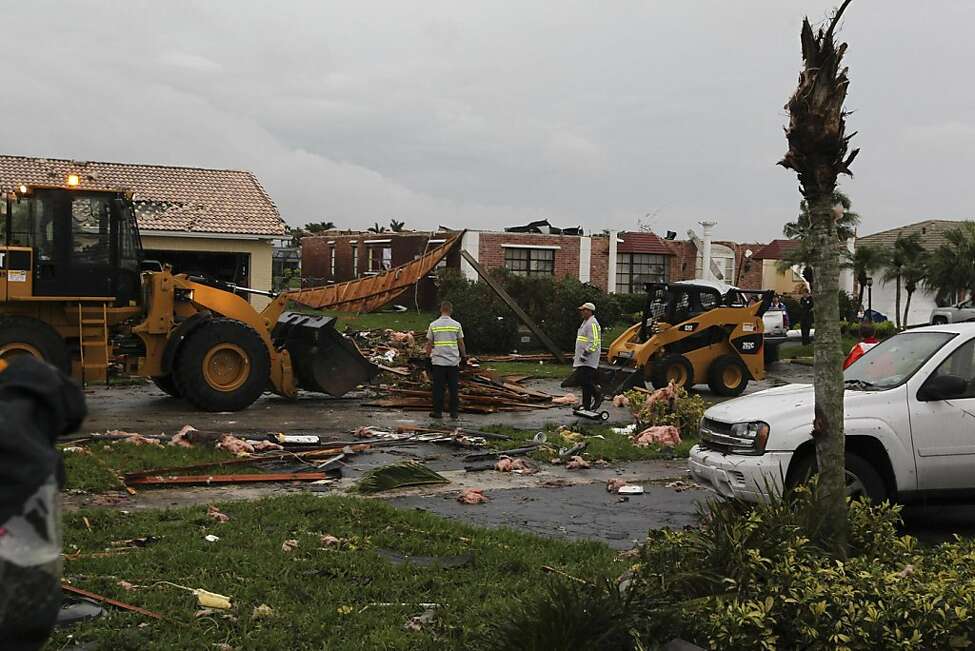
597,399
436,414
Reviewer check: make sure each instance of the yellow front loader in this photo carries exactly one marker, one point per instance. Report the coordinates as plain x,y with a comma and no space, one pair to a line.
73,292
692,332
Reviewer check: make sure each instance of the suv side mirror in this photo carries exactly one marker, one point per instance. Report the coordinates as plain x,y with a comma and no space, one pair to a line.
942,387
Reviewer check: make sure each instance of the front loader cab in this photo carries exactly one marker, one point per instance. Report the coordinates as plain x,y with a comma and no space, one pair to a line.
71,243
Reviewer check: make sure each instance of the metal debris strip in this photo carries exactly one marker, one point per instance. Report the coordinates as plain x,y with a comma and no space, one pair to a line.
371,293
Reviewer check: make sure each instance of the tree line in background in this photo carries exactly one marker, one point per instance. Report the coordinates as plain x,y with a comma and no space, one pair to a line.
295,233
948,271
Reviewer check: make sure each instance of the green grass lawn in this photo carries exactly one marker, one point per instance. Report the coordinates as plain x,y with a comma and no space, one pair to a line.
602,443
534,369
321,597
797,350
98,469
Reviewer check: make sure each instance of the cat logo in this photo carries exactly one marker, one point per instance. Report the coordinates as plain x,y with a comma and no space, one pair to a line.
688,327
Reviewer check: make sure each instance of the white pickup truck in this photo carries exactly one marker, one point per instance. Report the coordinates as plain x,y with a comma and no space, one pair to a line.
910,425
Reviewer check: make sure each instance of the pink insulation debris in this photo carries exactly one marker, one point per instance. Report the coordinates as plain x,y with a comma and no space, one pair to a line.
520,466
620,400
180,439
473,496
567,399
137,439
214,513
577,463
401,337
666,435
235,446
613,485
265,446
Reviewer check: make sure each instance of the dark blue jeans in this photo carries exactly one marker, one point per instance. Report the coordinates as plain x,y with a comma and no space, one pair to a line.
445,377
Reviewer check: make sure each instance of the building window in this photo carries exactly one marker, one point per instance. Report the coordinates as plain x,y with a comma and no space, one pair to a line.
355,260
331,267
634,270
723,264
530,262
379,258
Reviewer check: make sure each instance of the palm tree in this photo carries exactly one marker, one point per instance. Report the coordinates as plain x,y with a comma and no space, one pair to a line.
914,273
319,227
818,153
865,261
377,228
951,267
907,251
396,226
799,230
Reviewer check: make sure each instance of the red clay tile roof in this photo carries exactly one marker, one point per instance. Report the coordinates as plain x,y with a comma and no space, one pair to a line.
775,250
167,198
637,242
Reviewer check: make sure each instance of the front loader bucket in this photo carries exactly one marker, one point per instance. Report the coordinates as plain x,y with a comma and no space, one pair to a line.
323,360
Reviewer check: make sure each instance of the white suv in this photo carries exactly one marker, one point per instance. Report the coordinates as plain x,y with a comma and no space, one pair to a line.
910,425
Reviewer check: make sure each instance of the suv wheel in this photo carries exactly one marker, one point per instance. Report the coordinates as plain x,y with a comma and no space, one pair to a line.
862,479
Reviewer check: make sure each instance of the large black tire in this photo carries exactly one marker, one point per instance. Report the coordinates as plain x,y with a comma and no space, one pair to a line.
22,335
222,366
862,479
167,384
728,376
674,368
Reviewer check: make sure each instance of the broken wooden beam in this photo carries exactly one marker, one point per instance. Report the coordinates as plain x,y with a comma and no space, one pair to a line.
66,587
510,302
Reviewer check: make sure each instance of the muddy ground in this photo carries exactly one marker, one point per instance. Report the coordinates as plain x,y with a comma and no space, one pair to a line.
555,502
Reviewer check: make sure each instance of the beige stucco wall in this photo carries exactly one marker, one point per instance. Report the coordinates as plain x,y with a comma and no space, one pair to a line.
783,282
260,255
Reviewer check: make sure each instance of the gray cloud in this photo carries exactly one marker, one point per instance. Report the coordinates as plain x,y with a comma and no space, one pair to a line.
486,114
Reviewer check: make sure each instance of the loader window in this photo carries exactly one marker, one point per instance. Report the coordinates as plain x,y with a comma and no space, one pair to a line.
20,222
91,230
43,231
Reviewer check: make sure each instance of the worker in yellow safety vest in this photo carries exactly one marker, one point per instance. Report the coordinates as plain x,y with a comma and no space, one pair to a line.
589,341
445,347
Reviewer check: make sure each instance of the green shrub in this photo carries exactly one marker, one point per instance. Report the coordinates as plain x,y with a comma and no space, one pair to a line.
631,304
560,314
683,412
760,577
489,326
884,330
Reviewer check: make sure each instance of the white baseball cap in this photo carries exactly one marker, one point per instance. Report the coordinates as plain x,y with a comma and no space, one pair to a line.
588,306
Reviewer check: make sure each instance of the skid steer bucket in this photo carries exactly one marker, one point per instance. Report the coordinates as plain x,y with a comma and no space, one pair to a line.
323,360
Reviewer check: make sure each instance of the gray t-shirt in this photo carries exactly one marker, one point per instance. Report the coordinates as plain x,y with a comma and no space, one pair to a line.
444,334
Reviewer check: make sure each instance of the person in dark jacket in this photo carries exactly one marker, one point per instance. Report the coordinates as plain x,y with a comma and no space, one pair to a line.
806,316
38,403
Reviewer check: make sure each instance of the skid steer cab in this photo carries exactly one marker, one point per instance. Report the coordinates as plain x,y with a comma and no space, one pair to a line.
76,292
692,332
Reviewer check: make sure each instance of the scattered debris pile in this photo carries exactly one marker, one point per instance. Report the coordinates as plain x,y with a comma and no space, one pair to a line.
482,391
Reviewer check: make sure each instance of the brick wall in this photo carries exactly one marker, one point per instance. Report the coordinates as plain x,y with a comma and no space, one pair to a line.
316,260
491,253
599,262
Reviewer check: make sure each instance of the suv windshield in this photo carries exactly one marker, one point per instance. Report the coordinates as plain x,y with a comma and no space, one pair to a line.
892,362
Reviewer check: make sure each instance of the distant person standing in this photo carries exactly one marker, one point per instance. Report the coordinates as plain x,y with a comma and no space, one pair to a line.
586,360
806,316
445,346
867,341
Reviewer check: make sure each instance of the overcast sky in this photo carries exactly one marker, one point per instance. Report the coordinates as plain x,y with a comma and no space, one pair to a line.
486,114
